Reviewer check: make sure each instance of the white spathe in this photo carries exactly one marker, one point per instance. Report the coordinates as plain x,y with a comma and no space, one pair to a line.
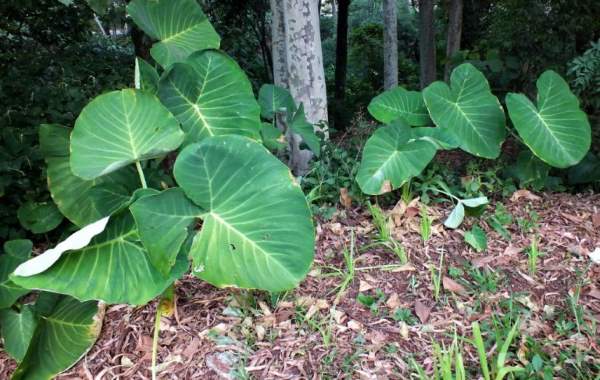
77,240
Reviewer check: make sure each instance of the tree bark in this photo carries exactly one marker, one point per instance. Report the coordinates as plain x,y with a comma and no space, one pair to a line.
341,62
390,44
427,43
298,64
455,21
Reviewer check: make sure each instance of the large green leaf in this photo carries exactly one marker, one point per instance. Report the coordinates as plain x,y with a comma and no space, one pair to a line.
113,268
81,201
272,137
15,253
391,157
163,222
273,99
400,103
438,136
61,338
557,130
257,230
39,217
17,330
468,110
120,128
586,171
306,130
180,26
210,95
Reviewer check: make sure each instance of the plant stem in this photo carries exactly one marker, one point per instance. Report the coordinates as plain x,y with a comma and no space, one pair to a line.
138,166
155,339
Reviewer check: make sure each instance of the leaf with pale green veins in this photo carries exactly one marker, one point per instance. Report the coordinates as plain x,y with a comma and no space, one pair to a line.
39,217
61,338
113,268
456,217
440,137
119,128
180,26
15,253
17,330
211,96
468,110
257,231
274,99
82,202
556,129
400,103
163,221
391,157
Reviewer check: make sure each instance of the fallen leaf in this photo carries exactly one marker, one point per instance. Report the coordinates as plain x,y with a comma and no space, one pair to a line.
355,325
411,212
596,220
422,311
528,195
453,286
404,330
572,218
364,286
260,332
386,187
345,198
393,302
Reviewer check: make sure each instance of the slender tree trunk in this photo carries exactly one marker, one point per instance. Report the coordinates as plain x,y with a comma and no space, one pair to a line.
427,43
390,44
454,34
341,62
298,65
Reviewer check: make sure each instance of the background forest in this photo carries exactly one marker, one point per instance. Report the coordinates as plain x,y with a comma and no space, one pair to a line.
413,215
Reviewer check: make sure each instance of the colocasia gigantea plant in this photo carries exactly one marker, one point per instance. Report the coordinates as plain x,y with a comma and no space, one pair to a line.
231,208
466,115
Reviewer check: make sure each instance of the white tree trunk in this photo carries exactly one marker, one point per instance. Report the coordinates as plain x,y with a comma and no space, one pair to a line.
390,44
301,66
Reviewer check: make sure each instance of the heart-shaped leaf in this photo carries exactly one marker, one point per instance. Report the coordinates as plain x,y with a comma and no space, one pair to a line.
272,137
120,128
113,268
273,99
17,330
39,217
61,338
391,157
15,253
468,110
257,230
400,103
557,130
82,202
210,95
163,220
476,238
180,26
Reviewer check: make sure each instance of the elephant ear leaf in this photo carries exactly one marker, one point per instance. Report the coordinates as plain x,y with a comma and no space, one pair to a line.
146,76
180,27
211,96
17,330
400,103
110,268
60,338
273,99
119,128
468,110
391,157
163,221
556,130
81,201
257,231
15,253
306,130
